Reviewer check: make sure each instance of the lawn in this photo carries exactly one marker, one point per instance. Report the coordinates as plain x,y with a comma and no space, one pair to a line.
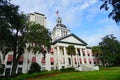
91,75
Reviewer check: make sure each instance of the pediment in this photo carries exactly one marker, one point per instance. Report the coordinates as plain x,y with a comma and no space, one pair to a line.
71,39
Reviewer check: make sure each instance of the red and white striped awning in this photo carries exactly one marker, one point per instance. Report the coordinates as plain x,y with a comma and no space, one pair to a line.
10,58
51,50
33,59
88,52
90,60
51,59
94,60
85,60
80,60
75,60
43,60
21,59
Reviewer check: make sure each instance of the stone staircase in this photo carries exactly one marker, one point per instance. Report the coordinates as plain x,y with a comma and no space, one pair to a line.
87,68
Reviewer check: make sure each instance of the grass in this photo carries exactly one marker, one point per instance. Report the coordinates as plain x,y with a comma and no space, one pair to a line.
105,73
92,75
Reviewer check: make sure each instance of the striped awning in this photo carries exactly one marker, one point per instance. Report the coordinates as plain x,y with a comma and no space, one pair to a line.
94,60
21,59
85,60
51,59
10,58
80,60
33,59
51,50
75,60
88,52
90,60
43,60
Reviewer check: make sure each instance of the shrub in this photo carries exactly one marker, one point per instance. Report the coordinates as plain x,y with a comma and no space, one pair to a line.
2,67
35,67
71,69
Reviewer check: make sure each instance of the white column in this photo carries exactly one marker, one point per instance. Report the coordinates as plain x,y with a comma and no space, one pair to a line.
78,59
58,57
65,56
81,53
86,56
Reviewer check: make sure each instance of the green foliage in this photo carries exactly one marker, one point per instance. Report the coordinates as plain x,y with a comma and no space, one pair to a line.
37,36
115,13
71,50
110,51
71,69
2,67
110,68
32,75
96,50
35,67
16,31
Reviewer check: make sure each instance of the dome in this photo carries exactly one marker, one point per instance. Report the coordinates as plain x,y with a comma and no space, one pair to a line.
59,23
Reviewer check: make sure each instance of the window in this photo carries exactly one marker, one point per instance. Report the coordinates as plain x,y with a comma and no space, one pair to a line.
20,63
52,68
69,61
43,64
7,72
43,68
52,63
63,67
19,70
83,54
9,62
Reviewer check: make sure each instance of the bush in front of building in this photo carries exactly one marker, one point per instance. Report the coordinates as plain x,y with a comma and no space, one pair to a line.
35,67
71,69
2,68
30,76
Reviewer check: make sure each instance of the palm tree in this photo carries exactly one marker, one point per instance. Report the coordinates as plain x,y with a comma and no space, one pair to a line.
71,52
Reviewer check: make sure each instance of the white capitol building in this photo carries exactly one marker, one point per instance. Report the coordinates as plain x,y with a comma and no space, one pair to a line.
57,58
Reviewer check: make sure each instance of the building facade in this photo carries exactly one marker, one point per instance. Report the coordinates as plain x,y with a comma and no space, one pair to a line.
38,18
57,57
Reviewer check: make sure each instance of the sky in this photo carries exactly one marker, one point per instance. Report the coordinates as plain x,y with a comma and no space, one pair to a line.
83,17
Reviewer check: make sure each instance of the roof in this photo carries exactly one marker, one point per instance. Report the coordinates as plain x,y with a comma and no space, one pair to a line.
60,40
37,13
61,25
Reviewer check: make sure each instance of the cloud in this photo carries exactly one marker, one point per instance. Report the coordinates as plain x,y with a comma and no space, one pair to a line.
100,33
81,16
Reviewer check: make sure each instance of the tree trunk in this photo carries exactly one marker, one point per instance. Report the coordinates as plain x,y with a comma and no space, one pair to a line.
72,60
14,67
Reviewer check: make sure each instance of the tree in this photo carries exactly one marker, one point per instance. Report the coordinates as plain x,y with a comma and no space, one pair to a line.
110,51
14,32
71,52
115,4
38,38
2,67
96,50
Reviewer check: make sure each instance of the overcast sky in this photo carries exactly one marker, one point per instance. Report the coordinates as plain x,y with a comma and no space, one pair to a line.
82,17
